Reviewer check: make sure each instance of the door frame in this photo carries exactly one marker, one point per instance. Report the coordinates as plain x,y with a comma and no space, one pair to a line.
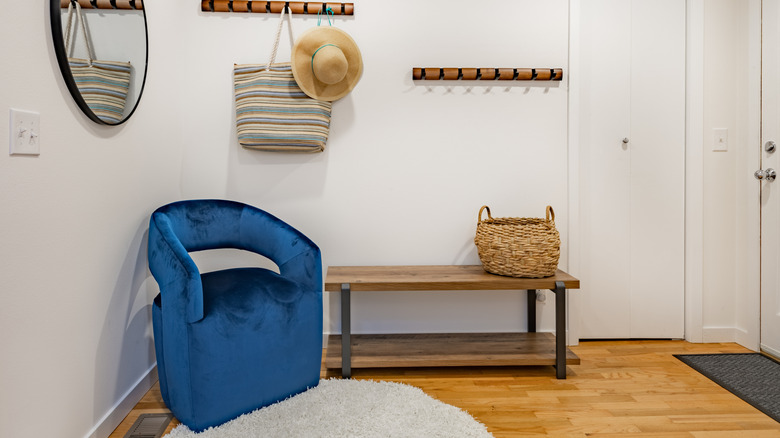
573,172
694,172
756,157
746,330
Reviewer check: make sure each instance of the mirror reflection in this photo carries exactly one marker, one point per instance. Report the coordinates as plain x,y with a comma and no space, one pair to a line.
101,48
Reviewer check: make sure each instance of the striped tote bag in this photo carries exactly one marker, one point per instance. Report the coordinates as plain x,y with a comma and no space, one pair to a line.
272,113
102,84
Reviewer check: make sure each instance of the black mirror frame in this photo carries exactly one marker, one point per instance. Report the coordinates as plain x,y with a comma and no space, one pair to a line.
62,59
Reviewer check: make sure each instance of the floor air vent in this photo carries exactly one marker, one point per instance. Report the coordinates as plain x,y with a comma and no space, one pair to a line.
149,426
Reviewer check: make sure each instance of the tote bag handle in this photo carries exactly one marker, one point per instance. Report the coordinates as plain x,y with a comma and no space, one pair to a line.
68,32
278,36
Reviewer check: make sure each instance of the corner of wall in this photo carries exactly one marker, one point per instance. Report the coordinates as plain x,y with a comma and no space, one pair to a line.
126,403
694,171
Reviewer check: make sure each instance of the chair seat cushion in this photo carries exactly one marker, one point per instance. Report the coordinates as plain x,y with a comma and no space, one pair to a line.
246,300
241,289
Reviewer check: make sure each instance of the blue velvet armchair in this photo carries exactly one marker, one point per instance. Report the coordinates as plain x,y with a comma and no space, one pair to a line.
231,341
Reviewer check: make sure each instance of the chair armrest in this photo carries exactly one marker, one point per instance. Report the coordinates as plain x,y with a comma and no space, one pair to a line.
174,270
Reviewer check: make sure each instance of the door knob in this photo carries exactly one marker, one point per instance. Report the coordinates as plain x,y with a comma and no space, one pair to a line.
625,140
769,174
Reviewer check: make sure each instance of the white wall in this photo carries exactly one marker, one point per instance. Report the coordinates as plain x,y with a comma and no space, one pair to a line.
407,165
720,111
406,170
75,291
730,89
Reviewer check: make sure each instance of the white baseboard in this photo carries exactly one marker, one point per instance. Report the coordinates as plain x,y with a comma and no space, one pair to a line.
719,334
770,351
746,340
119,411
729,334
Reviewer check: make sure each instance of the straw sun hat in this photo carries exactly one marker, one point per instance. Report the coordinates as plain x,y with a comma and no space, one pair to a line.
326,63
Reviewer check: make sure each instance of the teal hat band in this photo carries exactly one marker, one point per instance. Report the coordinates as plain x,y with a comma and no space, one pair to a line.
315,54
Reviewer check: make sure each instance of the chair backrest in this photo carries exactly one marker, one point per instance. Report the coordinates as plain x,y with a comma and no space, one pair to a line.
194,225
204,224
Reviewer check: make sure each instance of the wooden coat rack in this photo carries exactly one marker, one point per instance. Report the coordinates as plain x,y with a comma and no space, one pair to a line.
275,7
107,4
487,74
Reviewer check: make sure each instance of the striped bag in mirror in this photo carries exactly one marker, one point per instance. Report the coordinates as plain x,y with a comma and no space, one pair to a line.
103,85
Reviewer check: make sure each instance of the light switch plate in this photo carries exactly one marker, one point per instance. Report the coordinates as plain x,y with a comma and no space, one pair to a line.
25,133
720,140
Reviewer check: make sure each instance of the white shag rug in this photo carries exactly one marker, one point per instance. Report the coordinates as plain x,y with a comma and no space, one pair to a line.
350,408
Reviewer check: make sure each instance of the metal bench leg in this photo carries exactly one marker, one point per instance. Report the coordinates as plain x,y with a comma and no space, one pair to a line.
346,341
560,329
531,310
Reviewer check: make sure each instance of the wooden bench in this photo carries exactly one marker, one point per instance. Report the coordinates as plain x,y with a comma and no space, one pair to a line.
346,351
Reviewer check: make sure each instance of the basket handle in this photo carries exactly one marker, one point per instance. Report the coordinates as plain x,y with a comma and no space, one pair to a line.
484,207
550,213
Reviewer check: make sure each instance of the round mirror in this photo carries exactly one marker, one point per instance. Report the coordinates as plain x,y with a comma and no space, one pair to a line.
101,48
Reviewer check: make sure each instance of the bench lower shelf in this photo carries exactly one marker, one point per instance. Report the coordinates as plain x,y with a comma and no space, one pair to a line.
447,349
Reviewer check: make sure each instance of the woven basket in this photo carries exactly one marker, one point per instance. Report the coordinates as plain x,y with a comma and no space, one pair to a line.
518,247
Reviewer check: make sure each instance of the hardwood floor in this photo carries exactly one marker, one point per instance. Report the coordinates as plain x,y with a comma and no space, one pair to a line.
620,388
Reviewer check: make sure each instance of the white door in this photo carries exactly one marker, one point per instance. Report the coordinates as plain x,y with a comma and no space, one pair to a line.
770,190
632,125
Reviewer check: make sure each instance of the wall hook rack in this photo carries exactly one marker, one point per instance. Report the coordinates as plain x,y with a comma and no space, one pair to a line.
275,7
106,4
487,74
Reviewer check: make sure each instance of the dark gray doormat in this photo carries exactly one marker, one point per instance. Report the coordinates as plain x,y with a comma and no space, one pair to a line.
752,377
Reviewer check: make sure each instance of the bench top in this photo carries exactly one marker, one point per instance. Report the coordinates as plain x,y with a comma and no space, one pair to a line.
440,277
